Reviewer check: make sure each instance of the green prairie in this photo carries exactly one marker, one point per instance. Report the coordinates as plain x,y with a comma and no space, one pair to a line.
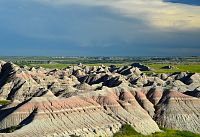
128,131
157,68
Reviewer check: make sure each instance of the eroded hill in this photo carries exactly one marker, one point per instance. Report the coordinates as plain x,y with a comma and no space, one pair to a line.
96,101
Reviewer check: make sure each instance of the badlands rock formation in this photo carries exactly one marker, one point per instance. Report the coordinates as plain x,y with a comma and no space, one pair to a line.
95,101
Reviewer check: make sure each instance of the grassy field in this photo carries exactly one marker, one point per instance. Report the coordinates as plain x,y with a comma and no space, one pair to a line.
157,68
50,66
128,131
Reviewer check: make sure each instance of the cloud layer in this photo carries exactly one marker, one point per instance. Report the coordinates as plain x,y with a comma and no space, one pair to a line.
98,27
156,13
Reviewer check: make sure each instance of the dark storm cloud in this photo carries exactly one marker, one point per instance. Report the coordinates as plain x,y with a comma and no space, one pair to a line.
190,2
49,27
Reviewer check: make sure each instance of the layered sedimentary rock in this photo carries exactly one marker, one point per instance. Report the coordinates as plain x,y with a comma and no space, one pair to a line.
179,111
98,114
95,101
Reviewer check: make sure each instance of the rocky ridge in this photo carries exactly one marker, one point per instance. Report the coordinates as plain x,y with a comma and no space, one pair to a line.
96,101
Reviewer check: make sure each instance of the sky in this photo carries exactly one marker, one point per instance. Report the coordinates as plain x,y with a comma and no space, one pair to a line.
99,28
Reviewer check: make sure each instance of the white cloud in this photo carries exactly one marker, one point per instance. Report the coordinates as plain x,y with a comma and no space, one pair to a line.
155,13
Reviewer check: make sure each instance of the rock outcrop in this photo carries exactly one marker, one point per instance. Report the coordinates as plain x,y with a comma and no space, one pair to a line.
95,101
141,66
178,111
168,67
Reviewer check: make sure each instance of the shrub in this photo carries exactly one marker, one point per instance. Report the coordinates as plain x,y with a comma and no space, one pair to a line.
4,102
128,131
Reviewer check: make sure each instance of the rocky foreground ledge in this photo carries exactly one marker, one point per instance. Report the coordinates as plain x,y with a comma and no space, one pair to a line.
95,101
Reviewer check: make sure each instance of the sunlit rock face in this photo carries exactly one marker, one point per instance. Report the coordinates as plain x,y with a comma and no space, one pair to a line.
96,101
178,111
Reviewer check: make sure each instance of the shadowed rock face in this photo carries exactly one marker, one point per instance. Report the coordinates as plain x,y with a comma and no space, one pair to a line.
95,101
141,67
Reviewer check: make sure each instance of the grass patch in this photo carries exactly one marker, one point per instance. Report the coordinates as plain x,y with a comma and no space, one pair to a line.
157,68
10,129
4,102
74,136
128,131
50,66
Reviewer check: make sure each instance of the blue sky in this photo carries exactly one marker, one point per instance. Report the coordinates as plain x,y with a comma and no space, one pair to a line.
99,28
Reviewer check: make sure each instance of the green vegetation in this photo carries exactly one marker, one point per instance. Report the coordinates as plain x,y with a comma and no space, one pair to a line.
9,79
10,129
181,64
157,68
128,131
74,136
50,66
4,102
190,68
